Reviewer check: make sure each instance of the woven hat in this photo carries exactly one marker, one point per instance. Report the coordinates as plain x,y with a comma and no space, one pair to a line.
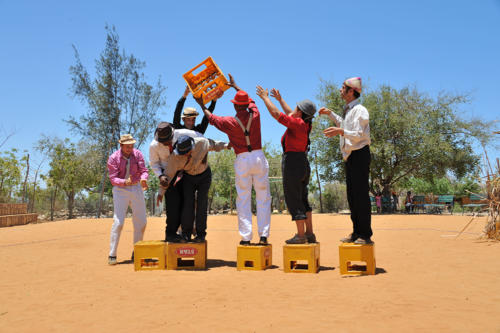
354,83
164,132
189,112
307,107
183,145
127,139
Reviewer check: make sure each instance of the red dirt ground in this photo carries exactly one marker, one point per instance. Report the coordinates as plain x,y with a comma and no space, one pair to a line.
54,277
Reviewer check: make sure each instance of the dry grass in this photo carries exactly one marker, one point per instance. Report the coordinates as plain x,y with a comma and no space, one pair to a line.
492,229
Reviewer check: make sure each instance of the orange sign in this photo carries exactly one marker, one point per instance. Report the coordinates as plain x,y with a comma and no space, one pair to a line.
206,80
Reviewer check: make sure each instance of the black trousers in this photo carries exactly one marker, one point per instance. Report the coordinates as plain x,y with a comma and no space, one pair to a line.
198,183
357,169
173,204
296,172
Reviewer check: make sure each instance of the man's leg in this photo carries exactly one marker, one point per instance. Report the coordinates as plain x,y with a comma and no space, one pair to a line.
204,182
262,193
243,182
361,170
188,188
139,218
174,201
350,195
120,204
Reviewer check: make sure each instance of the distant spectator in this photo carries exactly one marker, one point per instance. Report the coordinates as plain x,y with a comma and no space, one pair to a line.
409,202
378,201
395,201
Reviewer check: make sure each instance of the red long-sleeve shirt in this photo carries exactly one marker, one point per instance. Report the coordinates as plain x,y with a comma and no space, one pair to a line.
296,135
236,136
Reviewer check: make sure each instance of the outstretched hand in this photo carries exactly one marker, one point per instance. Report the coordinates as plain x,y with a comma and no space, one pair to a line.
199,100
333,131
324,110
159,200
262,93
276,94
231,82
186,92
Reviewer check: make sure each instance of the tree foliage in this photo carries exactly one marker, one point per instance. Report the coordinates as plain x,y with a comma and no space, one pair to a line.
72,168
119,101
412,134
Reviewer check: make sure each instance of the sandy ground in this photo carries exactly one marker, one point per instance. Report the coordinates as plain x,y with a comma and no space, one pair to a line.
54,277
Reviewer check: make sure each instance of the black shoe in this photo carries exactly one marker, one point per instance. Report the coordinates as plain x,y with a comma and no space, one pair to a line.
349,239
263,241
132,256
112,260
175,239
186,237
311,238
363,241
244,242
296,240
199,239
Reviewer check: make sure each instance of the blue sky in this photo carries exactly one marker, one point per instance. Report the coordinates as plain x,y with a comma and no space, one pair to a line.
290,45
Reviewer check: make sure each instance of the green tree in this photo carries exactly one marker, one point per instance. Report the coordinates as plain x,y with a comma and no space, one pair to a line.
222,191
10,174
71,169
119,100
412,134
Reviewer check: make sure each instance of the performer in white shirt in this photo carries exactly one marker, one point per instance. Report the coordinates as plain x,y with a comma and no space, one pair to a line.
353,127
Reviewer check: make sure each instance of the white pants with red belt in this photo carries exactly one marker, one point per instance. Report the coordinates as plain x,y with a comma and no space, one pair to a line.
123,196
251,168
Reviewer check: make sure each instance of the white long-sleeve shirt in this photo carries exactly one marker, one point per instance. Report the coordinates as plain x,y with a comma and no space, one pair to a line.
356,125
159,153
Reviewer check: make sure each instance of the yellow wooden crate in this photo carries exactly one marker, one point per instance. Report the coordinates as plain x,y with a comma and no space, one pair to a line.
301,258
254,257
350,252
187,255
149,255
206,80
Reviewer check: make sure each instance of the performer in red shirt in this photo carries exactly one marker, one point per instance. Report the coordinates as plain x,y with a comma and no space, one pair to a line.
250,166
295,167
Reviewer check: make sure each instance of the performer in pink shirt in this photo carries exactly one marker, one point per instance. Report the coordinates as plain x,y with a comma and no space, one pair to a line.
128,175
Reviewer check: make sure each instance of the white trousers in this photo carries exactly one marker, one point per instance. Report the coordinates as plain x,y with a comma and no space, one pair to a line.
252,168
123,196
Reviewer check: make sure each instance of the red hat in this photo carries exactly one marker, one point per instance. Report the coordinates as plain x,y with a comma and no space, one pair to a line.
241,98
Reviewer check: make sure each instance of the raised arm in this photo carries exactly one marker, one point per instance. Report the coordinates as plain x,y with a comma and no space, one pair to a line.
264,95
276,94
206,112
233,84
202,127
178,109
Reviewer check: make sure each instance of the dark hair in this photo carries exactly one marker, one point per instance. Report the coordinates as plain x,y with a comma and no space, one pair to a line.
355,93
308,120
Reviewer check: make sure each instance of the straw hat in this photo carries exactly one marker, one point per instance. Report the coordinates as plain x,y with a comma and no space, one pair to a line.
127,139
189,113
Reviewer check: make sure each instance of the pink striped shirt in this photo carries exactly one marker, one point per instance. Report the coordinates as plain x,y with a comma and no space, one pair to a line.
117,167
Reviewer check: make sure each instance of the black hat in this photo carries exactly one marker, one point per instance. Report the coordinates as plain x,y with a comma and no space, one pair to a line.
183,145
164,132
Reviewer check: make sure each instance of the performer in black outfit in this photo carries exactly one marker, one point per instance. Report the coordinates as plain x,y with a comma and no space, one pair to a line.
189,115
